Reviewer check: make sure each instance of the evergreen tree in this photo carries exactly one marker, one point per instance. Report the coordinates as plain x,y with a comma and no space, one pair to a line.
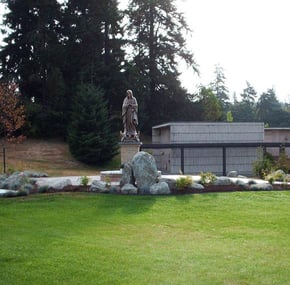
219,87
156,31
245,110
31,56
90,135
269,110
249,94
92,35
212,109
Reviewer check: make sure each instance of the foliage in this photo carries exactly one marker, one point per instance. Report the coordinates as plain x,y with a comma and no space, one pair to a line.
278,175
183,182
219,87
207,178
90,136
12,112
264,166
156,38
282,162
211,107
230,117
84,180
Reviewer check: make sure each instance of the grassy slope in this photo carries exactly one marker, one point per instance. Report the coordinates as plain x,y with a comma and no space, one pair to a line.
50,156
229,238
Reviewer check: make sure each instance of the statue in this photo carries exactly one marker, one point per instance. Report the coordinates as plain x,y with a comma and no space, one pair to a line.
130,118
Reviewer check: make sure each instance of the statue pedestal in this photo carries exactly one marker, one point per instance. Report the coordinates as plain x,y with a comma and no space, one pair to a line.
128,150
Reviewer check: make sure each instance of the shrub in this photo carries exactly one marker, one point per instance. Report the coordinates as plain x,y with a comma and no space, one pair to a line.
207,178
183,182
263,167
85,180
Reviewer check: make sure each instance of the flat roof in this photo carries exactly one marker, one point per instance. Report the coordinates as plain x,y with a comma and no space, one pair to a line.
168,124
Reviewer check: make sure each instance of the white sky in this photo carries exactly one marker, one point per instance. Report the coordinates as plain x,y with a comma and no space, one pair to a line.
248,38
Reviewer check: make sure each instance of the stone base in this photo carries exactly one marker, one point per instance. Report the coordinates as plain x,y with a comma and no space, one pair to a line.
128,150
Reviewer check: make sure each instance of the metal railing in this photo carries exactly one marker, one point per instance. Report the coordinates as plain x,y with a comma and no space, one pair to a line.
223,146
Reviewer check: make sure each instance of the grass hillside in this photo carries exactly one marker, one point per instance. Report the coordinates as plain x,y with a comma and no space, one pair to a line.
50,156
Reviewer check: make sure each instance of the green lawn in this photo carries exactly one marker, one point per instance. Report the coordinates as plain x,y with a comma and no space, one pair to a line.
227,238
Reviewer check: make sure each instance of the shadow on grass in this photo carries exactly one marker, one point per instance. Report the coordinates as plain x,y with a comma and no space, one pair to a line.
130,205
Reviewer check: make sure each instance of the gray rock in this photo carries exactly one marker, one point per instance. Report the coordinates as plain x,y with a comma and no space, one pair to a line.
59,184
232,173
127,174
14,181
31,173
171,182
261,186
99,186
8,193
222,180
197,186
161,188
129,189
144,169
242,184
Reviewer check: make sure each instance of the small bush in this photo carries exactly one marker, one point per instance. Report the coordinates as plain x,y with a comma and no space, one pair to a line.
183,182
85,180
265,166
207,178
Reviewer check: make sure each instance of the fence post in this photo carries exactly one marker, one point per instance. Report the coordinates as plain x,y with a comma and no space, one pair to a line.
224,161
182,159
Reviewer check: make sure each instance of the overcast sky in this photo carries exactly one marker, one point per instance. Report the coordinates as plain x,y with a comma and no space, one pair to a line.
248,38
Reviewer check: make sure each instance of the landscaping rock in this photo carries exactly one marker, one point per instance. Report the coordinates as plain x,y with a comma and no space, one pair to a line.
129,189
8,193
60,184
261,186
127,174
197,186
171,182
232,173
242,184
14,181
160,188
222,180
99,186
31,173
144,169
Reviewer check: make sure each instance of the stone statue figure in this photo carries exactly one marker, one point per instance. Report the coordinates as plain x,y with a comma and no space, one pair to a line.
130,118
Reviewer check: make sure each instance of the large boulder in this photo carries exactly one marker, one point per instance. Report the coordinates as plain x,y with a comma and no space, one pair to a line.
144,170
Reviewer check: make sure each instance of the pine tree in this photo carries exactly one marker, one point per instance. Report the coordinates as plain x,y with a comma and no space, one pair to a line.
31,57
90,135
219,87
156,34
93,39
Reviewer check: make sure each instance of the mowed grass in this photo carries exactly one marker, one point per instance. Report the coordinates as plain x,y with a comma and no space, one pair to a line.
225,238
